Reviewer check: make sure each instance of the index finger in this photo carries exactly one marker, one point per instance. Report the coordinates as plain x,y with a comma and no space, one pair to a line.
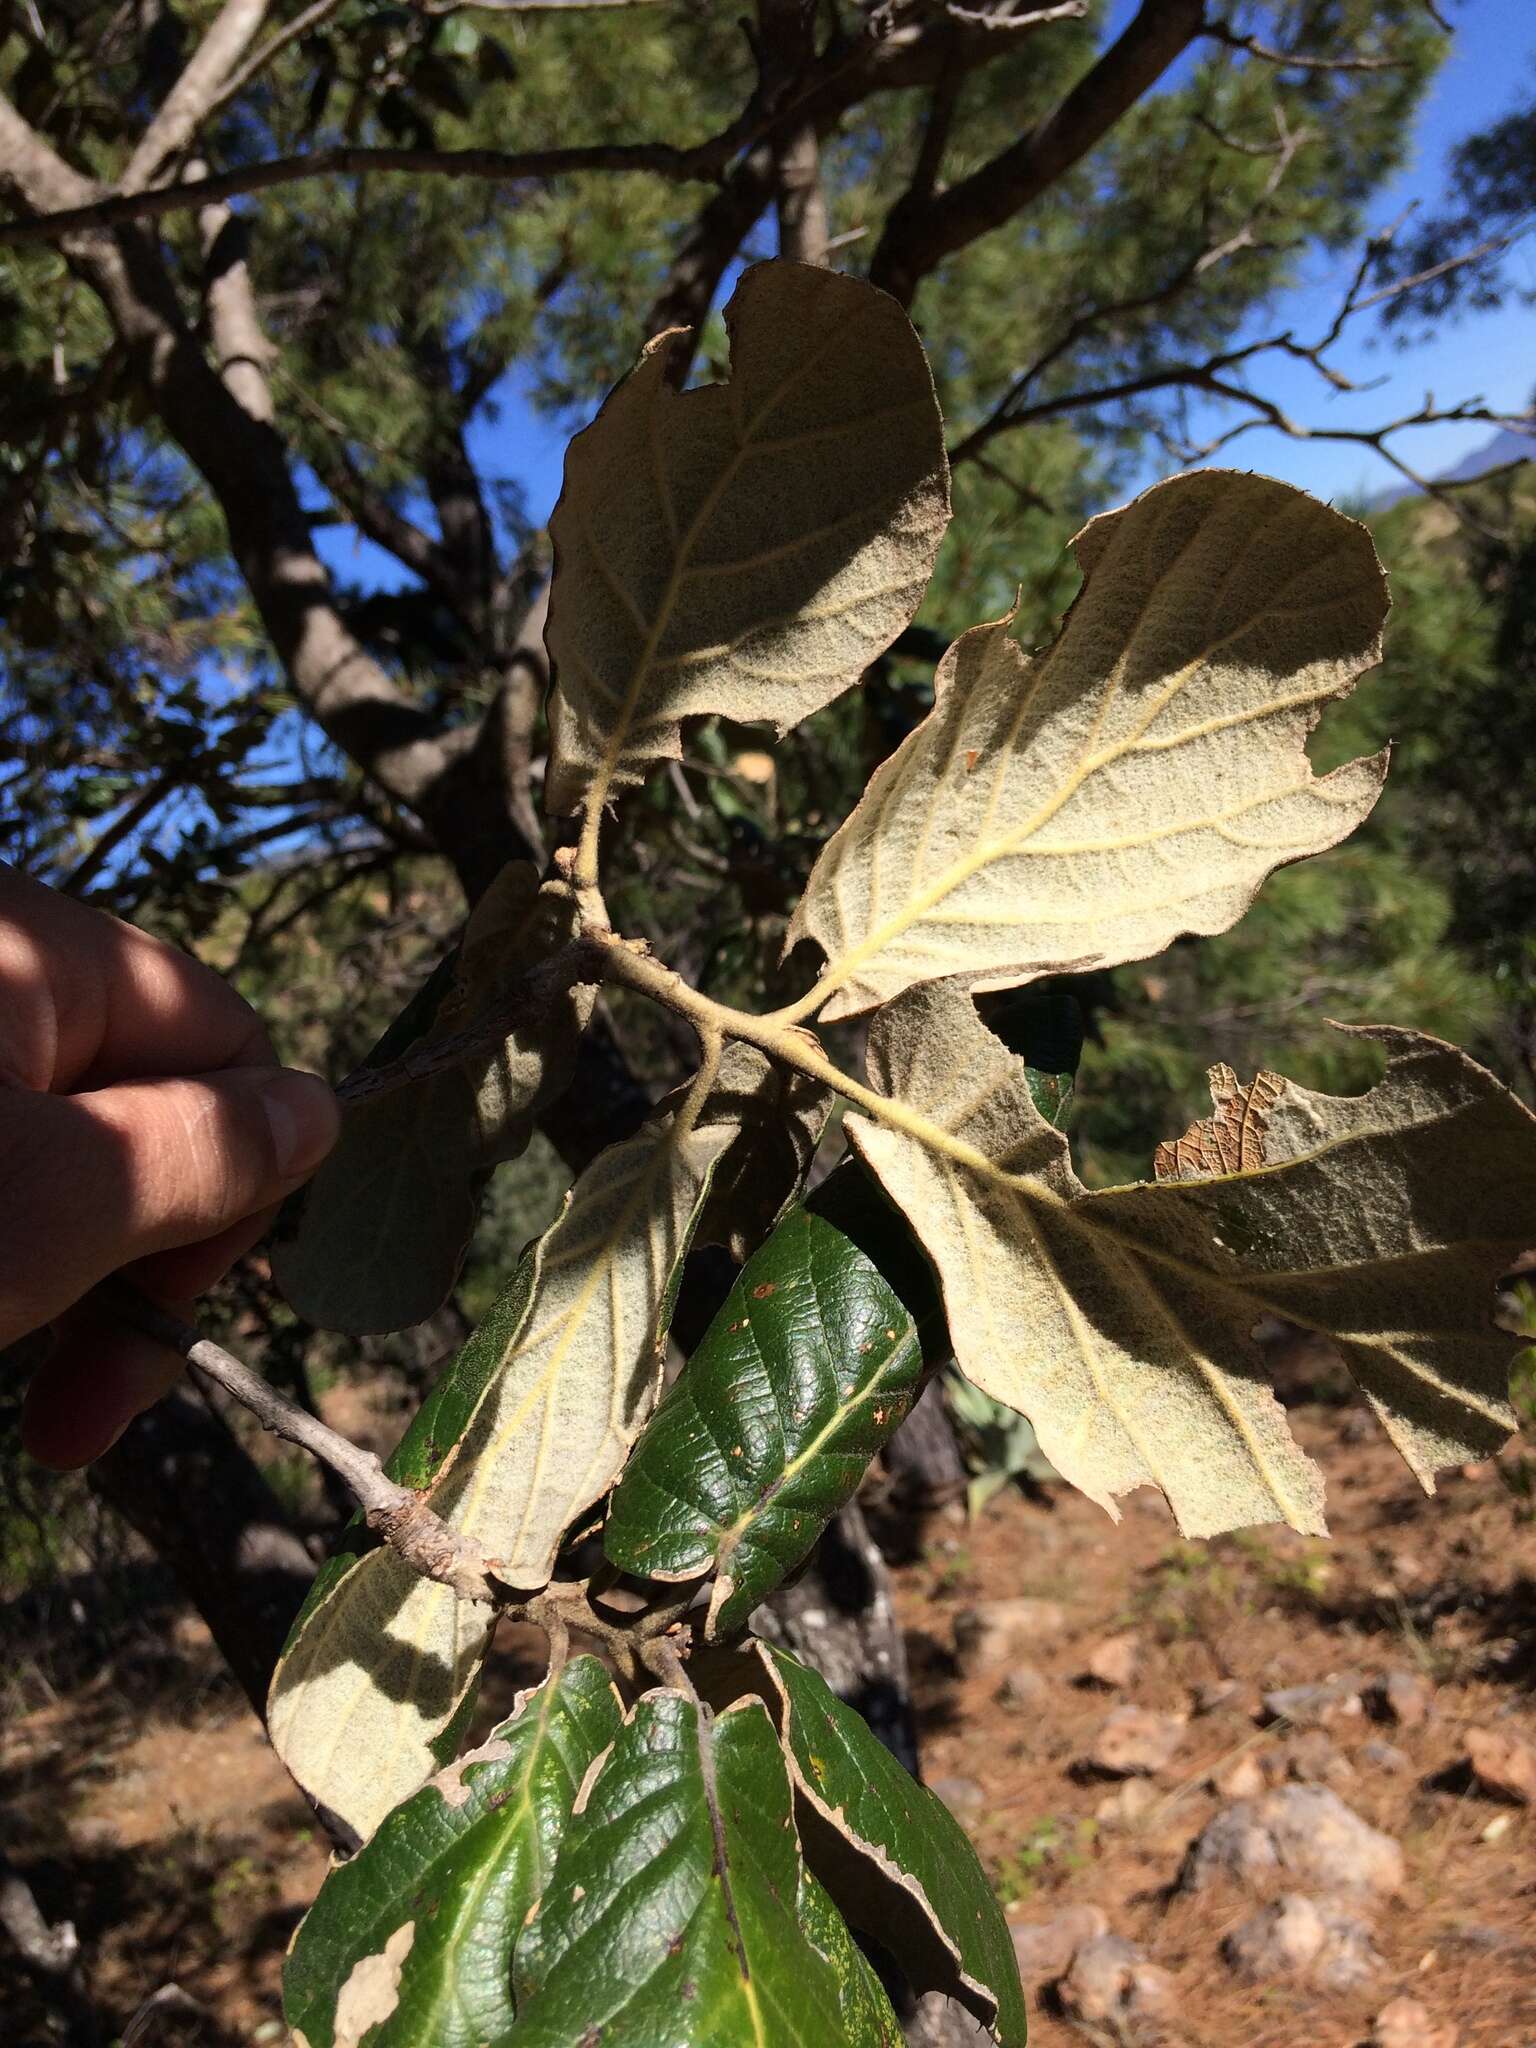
86,999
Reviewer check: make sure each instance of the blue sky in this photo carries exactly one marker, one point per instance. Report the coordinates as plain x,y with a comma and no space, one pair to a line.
1491,355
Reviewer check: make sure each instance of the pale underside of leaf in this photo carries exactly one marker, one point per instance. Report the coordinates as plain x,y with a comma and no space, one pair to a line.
749,547
379,1668
1137,780
375,1674
582,1370
1121,1323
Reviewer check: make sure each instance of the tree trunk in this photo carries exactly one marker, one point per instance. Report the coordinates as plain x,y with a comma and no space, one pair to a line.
184,1483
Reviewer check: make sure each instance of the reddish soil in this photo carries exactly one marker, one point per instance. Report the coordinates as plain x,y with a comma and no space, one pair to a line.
144,1804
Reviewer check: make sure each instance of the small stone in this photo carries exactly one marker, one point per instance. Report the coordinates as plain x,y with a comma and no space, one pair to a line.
1503,1764
1311,1759
1304,1832
1296,1937
1407,2024
1135,1742
1246,1778
1127,1806
1023,1686
1386,1756
1314,1706
996,1633
1045,1948
1111,1984
1214,1693
963,1796
1113,1661
1401,1697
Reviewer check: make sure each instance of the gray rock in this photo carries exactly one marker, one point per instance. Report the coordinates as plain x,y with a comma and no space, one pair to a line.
1302,1832
1386,1756
1113,1661
1023,1686
1127,1806
1503,1764
1315,1706
1297,1937
1311,1759
1045,1948
1111,1984
1214,1693
1402,1697
1136,1743
963,1796
995,1633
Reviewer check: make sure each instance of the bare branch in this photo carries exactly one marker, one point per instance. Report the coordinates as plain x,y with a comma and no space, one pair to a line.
312,17
1002,18
187,103
918,237
1295,60
401,1517
526,6
663,159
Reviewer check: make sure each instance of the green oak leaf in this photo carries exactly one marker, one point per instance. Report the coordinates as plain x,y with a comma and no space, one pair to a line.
675,1911
809,1367
866,2011
444,1886
895,1860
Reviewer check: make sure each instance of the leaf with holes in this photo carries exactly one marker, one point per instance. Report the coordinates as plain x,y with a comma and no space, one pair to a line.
450,1877
747,548
533,1424
893,1857
1137,780
809,1367
674,1913
1121,1322
375,1240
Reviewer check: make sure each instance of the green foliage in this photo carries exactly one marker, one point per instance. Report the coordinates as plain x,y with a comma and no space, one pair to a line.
720,1849
808,1369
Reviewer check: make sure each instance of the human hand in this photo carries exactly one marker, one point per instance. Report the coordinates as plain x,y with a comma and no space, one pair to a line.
144,1124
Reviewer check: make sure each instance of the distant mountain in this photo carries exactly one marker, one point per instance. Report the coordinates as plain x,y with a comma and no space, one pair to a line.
1506,446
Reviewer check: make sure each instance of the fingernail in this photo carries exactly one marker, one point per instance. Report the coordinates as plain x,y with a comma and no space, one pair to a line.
303,1118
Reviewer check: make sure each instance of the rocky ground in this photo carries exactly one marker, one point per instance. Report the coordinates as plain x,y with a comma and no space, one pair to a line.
1262,1793
1266,1791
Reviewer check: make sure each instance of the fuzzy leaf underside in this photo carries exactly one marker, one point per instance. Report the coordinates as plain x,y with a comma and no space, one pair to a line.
675,1910
1120,1323
749,547
894,1859
807,1370
462,1862
1138,779
375,1241
531,1425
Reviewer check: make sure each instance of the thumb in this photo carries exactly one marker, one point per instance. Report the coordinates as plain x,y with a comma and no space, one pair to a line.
96,1180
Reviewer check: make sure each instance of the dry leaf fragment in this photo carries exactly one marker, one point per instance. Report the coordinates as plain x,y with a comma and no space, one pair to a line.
1231,1141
